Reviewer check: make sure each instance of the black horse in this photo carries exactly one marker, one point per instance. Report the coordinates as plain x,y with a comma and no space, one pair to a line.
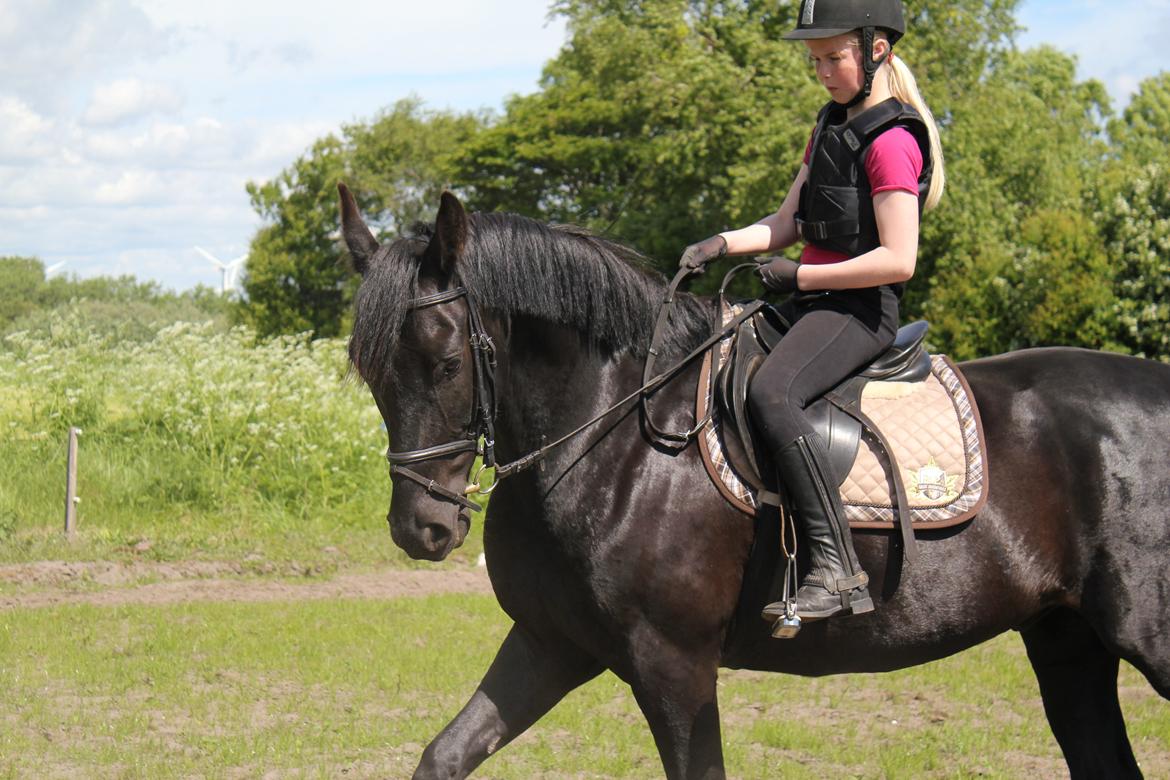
618,554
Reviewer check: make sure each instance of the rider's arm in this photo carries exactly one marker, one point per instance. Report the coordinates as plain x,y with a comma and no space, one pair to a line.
774,231
893,262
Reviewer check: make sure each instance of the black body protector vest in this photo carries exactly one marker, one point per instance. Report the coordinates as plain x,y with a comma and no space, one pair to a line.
836,208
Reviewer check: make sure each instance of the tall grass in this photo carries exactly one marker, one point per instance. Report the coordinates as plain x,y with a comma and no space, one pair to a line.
196,439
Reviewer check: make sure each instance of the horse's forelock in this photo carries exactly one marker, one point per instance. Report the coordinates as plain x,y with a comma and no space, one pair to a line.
381,305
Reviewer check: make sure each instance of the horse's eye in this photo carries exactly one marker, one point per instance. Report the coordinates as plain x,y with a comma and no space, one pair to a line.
447,369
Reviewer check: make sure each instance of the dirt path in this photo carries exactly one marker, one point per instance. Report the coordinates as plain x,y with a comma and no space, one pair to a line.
49,583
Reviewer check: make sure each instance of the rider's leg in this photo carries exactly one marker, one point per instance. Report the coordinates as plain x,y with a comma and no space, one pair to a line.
826,344
835,583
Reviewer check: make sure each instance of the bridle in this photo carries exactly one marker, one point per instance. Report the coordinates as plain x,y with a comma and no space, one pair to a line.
484,404
483,411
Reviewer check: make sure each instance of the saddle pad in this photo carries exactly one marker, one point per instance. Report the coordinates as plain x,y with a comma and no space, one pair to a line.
935,432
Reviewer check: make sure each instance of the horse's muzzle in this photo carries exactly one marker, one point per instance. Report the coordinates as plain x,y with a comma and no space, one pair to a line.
428,539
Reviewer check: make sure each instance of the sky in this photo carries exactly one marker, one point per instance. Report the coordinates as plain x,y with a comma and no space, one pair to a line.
128,128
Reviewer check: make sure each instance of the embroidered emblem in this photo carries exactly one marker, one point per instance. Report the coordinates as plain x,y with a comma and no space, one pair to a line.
808,11
932,483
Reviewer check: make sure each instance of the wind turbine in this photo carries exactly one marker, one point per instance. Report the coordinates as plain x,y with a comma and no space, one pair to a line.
227,271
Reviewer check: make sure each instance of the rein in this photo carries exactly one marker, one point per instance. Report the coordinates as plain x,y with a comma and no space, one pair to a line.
485,406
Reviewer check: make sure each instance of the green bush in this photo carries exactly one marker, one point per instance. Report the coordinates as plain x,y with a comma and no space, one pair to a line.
195,434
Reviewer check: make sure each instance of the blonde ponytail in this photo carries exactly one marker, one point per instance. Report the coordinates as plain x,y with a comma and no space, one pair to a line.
905,88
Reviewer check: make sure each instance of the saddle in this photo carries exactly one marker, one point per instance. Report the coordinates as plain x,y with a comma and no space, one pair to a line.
921,401
832,416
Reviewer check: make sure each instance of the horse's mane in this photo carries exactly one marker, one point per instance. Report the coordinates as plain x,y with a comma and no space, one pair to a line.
513,265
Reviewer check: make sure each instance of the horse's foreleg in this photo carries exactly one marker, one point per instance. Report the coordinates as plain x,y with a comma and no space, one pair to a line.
676,692
1078,682
527,678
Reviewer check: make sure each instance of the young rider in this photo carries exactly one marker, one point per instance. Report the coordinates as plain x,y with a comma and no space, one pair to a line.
872,166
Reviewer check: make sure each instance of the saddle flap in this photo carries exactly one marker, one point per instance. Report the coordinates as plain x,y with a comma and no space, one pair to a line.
735,452
770,327
747,357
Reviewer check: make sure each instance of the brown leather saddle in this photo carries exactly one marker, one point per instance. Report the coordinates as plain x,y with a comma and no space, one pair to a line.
836,416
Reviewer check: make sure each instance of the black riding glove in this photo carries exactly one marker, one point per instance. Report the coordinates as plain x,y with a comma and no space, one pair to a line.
779,274
698,255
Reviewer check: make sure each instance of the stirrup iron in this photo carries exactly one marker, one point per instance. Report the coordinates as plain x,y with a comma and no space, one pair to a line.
788,626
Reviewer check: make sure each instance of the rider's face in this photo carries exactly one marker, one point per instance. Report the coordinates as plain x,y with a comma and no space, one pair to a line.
838,67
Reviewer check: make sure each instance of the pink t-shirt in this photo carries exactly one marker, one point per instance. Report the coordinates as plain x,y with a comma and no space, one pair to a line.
894,162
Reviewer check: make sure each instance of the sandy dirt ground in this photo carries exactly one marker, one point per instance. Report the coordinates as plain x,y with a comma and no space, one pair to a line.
49,583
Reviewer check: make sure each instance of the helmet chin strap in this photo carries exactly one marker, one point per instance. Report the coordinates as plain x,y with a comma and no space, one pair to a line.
868,64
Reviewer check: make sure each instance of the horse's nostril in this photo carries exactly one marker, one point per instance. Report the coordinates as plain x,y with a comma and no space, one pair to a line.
437,536
424,538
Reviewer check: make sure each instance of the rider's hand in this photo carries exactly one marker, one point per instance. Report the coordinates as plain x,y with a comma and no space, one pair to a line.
779,274
698,255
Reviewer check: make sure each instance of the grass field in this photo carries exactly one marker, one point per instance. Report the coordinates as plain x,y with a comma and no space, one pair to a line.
356,688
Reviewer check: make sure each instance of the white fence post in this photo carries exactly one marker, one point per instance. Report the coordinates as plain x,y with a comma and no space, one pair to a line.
71,484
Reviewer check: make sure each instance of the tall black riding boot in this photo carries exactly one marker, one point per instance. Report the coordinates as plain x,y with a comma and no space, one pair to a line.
835,584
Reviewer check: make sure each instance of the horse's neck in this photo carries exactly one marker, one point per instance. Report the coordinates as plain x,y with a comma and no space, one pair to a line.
553,382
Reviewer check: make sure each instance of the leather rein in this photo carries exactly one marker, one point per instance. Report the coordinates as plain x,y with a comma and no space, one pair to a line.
484,404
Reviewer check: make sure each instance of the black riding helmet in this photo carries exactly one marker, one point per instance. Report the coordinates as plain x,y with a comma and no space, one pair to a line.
829,18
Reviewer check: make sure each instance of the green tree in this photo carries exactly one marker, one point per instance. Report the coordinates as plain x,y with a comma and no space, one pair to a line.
1137,235
396,164
662,121
20,281
1023,150
119,308
1135,217
1140,134
292,281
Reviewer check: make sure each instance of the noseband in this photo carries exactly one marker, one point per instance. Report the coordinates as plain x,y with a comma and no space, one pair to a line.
483,413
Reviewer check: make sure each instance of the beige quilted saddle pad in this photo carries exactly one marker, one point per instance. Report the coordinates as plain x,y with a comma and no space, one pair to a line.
936,436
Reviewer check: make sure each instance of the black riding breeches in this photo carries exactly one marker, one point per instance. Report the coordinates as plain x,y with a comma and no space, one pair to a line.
833,335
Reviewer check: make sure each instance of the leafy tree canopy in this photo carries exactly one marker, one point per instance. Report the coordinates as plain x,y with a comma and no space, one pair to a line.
1023,147
662,121
397,164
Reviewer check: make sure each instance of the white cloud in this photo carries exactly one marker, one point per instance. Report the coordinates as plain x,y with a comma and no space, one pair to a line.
129,99
49,43
1102,36
276,145
133,186
24,134
128,128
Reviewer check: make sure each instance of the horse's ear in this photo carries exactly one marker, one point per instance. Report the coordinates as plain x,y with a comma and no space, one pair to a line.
450,233
358,238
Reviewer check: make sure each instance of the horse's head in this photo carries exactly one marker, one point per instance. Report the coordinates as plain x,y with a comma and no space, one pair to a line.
424,384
